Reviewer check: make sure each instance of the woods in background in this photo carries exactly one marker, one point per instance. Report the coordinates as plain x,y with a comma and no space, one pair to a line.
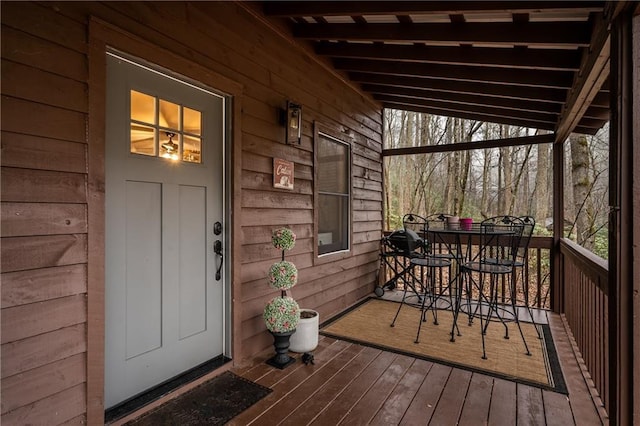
482,183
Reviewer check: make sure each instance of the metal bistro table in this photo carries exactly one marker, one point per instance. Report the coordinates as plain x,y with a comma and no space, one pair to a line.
459,240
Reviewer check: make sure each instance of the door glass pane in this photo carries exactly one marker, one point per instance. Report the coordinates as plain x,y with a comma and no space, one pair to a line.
169,115
143,139
191,149
170,145
173,124
143,108
192,121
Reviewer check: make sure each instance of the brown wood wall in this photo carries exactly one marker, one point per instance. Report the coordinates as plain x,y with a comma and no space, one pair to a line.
45,230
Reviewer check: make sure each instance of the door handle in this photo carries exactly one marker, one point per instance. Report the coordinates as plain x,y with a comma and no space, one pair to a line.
217,249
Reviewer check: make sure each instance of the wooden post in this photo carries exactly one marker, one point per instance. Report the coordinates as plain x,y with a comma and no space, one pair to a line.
636,217
557,282
621,251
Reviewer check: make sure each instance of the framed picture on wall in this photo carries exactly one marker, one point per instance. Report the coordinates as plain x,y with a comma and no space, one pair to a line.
282,174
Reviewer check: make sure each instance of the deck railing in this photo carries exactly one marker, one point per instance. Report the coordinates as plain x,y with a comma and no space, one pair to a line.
585,293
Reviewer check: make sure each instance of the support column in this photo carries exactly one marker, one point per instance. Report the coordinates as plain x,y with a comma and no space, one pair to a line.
623,175
557,282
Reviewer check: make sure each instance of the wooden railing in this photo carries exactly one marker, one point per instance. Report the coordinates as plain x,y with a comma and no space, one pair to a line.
585,294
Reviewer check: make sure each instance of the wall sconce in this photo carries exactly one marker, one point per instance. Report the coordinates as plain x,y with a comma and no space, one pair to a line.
293,123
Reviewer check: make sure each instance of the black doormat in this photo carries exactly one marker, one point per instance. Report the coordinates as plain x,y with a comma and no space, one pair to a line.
214,402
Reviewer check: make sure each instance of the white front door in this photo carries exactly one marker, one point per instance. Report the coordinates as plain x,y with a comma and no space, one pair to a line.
164,196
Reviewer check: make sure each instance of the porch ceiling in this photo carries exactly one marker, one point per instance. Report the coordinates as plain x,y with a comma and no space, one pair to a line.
539,64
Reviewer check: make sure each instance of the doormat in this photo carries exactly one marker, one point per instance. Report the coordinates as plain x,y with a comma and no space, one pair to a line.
214,402
369,324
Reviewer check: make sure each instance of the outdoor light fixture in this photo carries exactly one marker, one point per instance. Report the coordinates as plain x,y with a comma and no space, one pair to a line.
293,123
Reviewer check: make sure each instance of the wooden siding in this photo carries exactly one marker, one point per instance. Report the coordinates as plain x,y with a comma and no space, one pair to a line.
48,237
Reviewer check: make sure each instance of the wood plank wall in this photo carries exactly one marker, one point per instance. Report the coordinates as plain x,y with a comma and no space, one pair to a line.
44,257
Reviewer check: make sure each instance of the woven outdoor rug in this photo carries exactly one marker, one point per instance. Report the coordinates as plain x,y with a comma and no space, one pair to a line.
369,324
214,402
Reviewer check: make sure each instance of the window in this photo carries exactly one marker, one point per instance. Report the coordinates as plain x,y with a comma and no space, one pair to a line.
160,128
333,180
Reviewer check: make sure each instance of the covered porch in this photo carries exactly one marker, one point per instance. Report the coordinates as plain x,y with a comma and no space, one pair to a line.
558,67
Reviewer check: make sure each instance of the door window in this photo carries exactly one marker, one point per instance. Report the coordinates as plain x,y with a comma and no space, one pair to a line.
160,128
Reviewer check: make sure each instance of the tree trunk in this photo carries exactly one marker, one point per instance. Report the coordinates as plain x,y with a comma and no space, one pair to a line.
541,192
581,191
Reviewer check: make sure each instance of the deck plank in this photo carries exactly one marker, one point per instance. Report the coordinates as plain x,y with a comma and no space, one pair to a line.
582,406
424,403
476,406
306,390
340,407
530,407
503,403
370,403
332,389
287,380
398,401
450,405
557,410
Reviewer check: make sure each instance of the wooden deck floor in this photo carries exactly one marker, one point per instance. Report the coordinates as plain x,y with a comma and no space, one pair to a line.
355,385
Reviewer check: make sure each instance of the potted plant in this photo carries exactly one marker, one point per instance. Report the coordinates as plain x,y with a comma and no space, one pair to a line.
305,338
282,313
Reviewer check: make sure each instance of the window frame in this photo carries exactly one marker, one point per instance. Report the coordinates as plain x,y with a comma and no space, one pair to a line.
332,132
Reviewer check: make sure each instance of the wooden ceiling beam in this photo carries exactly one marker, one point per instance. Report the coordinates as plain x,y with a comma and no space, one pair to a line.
466,146
465,98
594,71
534,78
340,8
538,117
471,116
541,94
569,35
539,59
484,117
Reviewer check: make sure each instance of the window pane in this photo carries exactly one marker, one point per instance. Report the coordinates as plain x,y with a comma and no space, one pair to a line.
192,121
169,115
333,166
333,223
143,139
170,145
143,107
191,149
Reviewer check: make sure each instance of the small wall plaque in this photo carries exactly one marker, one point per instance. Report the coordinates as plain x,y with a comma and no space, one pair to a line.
282,174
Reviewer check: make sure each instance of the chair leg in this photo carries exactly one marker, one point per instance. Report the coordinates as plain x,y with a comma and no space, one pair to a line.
525,290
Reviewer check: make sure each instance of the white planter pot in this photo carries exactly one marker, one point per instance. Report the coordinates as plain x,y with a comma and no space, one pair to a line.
305,339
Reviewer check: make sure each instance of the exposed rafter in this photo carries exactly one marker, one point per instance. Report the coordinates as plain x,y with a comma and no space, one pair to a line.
539,59
543,118
464,146
340,8
542,94
568,35
464,98
557,79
